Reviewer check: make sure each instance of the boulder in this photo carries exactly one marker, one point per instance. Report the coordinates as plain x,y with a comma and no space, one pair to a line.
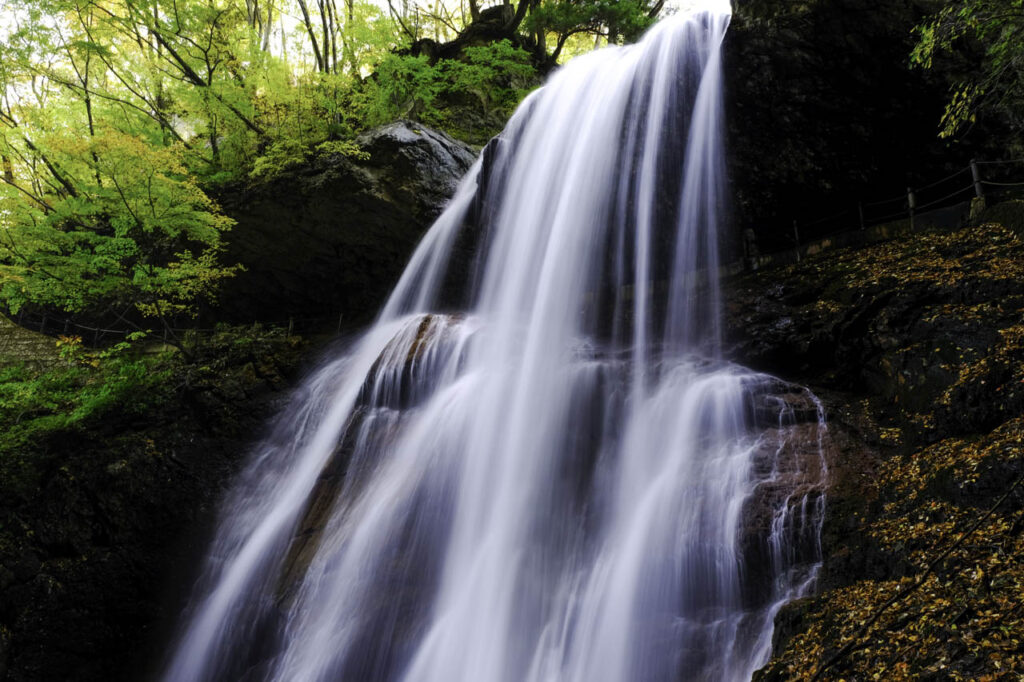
329,238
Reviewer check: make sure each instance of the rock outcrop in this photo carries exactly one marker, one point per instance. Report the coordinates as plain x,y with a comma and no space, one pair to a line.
330,238
917,348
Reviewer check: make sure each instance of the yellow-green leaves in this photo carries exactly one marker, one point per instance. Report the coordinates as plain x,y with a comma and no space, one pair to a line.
992,83
139,232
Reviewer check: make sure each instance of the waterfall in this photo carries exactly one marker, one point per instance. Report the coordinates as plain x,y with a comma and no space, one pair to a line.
536,465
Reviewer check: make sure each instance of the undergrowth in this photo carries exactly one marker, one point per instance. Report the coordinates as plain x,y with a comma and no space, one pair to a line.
36,404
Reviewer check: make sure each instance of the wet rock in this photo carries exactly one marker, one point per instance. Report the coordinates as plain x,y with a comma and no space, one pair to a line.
790,465
392,384
403,374
778,403
916,349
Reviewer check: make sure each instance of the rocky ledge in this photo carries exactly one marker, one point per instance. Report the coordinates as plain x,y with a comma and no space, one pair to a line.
917,349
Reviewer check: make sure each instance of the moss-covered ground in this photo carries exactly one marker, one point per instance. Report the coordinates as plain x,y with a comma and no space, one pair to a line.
111,464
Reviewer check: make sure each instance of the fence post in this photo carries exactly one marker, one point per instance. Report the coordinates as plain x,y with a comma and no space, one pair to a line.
911,205
976,174
860,212
291,326
340,316
796,240
42,327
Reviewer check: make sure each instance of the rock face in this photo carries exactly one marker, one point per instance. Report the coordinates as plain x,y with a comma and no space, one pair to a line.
788,462
19,345
825,110
916,347
88,556
391,385
927,324
331,237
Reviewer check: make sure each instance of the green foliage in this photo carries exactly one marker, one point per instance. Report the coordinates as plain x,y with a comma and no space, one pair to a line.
129,230
37,406
286,153
495,77
989,36
51,416
280,155
499,75
115,114
403,86
344,147
613,19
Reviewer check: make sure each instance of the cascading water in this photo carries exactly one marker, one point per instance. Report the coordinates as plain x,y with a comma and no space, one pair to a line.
536,466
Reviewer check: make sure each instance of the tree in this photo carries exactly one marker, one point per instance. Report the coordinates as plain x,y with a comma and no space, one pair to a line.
613,20
100,208
533,25
112,223
989,34
118,116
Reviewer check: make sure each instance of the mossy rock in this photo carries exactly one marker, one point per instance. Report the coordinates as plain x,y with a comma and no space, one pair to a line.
1010,214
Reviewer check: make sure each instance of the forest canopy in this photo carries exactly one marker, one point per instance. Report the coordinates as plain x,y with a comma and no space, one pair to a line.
118,117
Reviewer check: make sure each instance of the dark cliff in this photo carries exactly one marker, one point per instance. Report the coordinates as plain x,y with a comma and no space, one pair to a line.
103,505
917,348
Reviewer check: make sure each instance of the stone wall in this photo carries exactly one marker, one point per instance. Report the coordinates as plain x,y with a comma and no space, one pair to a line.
18,344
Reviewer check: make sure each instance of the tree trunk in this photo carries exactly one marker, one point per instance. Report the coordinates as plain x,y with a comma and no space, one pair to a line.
8,169
312,35
333,10
346,43
268,27
520,14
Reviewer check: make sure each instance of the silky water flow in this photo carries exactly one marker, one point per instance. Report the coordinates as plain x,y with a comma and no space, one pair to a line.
536,465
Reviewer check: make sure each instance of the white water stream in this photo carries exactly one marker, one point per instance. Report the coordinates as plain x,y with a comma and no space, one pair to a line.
557,478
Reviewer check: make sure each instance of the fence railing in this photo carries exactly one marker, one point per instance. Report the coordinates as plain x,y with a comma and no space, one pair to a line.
978,180
97,336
